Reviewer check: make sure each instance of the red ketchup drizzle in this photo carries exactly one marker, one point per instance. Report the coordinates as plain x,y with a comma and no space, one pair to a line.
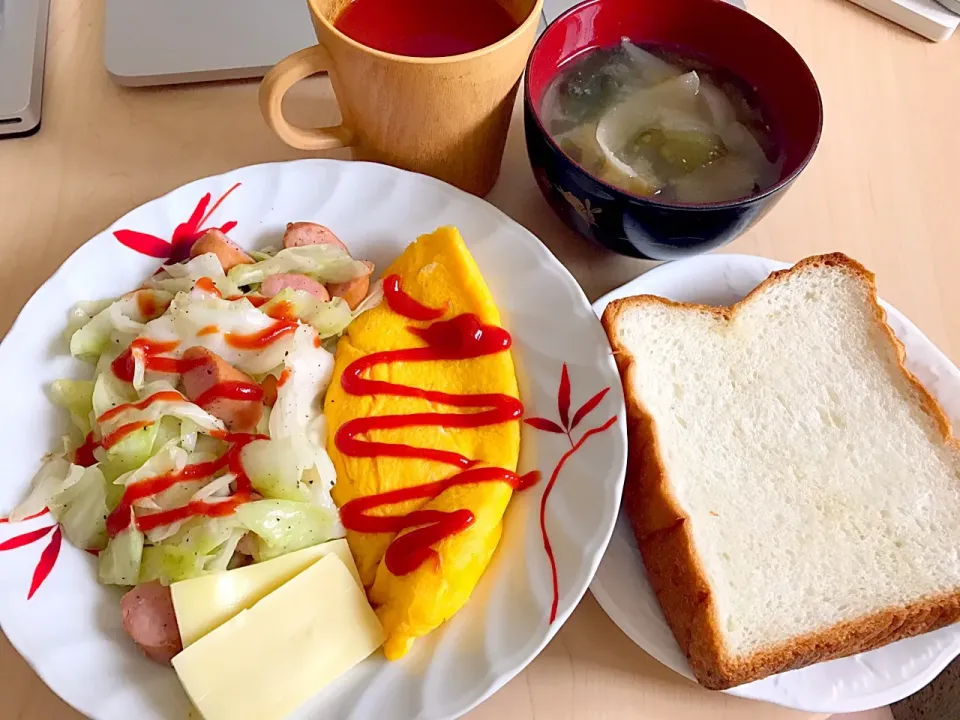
403,304
123,365
405,554
119,519
231,391
283,310
255,300
206,285
83,455
263,338
195,508
121,432
147,304
460,338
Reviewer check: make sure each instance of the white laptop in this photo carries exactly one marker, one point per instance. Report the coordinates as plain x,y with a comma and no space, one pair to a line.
23,39
160,42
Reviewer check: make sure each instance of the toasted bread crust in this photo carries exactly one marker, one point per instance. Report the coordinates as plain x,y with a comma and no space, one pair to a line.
675,570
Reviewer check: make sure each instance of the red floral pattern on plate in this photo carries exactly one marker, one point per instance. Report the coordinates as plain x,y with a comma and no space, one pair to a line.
565,427
48,558
184,235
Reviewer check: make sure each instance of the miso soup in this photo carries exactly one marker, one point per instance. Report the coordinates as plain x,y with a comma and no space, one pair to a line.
658,124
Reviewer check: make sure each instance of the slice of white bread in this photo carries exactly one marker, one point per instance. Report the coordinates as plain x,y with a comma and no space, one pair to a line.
794,490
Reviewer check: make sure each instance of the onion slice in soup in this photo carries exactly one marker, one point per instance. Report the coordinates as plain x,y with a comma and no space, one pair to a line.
672,103
652,69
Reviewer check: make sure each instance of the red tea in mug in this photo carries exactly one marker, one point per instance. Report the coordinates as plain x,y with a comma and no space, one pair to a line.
425,28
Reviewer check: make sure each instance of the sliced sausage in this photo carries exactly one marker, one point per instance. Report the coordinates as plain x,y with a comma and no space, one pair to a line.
269,387
205,371
299,234
227,251
353,291
275,283
149,618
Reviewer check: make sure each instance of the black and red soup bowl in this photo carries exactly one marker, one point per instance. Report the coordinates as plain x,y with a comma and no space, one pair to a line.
714,31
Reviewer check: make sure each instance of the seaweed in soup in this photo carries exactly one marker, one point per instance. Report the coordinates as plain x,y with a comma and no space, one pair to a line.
655,122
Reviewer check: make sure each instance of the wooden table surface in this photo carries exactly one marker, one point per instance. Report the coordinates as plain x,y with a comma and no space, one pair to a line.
881,188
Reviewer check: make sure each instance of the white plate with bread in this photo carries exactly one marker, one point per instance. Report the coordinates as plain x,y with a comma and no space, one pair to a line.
794,479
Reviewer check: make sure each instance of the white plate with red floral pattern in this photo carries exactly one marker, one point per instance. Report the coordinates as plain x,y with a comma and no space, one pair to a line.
68,627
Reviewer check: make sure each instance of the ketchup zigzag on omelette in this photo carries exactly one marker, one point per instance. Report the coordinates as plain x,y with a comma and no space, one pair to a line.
423,497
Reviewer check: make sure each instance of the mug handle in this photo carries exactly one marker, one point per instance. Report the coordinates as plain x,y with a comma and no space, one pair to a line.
282,77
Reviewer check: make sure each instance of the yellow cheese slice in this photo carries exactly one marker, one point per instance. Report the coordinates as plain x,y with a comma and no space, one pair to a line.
270,659
204,603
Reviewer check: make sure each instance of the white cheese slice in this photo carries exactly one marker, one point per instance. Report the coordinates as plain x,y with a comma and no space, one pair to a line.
270,659
205,603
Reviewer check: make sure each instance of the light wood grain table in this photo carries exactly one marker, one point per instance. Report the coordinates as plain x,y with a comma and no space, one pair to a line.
881,188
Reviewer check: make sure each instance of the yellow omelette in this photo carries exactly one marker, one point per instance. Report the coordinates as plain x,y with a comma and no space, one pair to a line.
436,270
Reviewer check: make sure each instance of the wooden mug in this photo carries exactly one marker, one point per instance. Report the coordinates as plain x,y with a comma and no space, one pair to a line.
442,116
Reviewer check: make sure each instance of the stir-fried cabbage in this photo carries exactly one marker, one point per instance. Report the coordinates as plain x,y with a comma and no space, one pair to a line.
181,408
81,510
146,434
77,397
183,276
54,476
125,316
189,317
326,263
120,561
274,470
131,451
83,312
298,416
283,526
329,317
195,549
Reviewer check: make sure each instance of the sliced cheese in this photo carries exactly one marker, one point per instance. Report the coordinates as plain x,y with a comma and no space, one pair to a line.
270,659
207,602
